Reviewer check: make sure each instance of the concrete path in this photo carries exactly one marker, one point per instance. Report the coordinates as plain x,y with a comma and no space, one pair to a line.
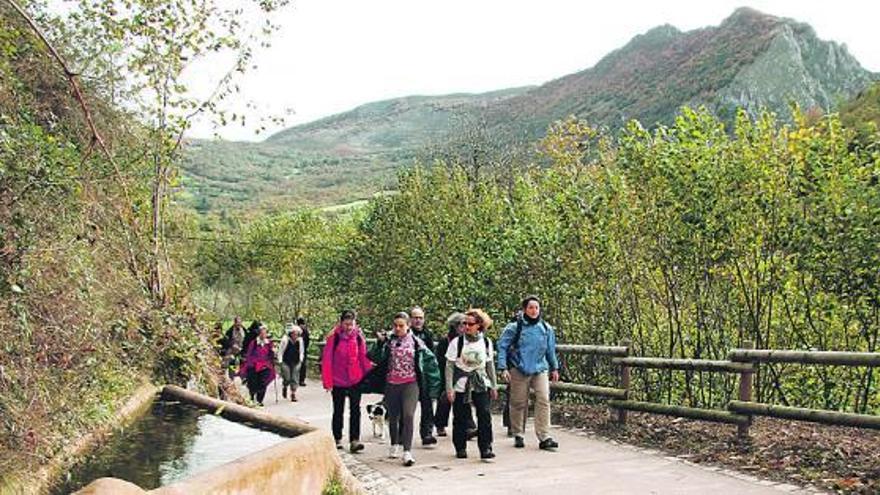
583,464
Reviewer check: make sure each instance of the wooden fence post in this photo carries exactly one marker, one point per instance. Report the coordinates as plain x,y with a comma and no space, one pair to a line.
745,391
624,381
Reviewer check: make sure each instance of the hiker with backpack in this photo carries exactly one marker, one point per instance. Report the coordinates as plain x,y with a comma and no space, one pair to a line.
527,361
405,370
291,354
258,369
471,382
455,327
344,364
426,404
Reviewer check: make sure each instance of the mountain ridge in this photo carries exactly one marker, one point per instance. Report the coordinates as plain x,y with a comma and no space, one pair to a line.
750,60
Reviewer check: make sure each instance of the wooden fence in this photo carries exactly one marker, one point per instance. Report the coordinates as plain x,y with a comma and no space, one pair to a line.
743,362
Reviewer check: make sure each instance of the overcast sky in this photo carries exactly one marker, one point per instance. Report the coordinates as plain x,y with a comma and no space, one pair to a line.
333,55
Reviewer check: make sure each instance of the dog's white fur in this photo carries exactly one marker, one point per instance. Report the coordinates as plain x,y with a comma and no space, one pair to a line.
378,415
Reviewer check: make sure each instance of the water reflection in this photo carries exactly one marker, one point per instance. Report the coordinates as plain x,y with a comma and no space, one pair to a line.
170,443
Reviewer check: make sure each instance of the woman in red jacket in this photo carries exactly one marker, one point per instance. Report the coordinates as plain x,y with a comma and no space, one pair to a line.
343,365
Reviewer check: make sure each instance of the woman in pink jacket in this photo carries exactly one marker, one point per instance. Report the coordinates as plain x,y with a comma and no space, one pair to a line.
343,365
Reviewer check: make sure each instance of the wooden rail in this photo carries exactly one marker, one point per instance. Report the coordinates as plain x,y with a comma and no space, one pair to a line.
801,414
834,358
682,364
743,361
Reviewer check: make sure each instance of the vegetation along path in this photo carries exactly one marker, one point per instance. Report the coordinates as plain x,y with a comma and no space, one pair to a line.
583,464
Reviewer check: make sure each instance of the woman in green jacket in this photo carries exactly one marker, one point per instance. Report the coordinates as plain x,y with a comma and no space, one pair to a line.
404,366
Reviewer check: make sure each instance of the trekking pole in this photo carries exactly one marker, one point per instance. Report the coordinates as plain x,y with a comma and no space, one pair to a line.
275,381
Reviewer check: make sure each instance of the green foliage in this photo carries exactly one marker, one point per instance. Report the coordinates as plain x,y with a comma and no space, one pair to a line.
267,269
688,240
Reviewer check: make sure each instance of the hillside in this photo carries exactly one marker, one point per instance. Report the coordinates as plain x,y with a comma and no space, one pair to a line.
331,161
751,60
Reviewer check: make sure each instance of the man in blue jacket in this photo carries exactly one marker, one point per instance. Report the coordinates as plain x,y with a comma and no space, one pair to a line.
527,360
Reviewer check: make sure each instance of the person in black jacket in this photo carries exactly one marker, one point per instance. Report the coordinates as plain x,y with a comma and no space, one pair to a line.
426,405
301,323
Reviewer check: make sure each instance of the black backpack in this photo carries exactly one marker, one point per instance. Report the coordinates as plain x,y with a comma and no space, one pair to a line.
461,344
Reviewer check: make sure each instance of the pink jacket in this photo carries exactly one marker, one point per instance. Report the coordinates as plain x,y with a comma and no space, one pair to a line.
344,364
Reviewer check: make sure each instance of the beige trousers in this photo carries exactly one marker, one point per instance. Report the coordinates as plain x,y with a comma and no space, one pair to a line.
519,402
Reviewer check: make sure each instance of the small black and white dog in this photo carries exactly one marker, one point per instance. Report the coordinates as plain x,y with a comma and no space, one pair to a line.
378,414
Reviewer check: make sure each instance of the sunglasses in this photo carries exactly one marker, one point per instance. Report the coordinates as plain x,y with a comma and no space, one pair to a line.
471,324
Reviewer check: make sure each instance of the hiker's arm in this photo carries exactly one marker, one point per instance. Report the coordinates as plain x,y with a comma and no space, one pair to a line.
503,344
450,393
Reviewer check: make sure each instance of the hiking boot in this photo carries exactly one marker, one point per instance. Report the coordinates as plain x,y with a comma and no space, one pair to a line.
518,442
487,454
548,444
355,447
441,432
394,451
429,440
461,454
408,459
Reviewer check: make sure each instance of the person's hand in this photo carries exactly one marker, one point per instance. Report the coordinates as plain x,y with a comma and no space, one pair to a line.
554,376
505,376
451,396
380,336
493,394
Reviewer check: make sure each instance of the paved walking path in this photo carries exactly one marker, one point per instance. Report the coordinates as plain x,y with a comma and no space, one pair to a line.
584,464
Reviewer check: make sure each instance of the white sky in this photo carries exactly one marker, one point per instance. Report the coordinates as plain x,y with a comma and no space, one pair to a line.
333,55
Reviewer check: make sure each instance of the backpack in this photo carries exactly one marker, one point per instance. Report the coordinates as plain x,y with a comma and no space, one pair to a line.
360,338
461,344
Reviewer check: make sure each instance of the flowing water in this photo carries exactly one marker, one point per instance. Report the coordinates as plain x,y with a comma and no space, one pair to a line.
170,443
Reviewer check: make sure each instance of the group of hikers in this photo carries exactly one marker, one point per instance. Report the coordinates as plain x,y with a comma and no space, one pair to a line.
251,354
458,371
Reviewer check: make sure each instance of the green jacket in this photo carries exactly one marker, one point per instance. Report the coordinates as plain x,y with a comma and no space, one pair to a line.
427,370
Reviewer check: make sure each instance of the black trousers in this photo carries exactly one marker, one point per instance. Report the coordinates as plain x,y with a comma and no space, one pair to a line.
441,416
354,415
303,367
256,384
462,412
426,421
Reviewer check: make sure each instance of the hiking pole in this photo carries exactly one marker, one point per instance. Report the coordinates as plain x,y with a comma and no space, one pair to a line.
275,381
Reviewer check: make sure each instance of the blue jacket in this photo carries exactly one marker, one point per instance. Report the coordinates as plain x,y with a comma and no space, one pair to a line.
534,353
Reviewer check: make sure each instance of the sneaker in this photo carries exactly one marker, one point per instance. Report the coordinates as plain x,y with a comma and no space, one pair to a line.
355,447
408,459
394,451
548,444
487,454
429,440
339,445
518,442
441,432
461,454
